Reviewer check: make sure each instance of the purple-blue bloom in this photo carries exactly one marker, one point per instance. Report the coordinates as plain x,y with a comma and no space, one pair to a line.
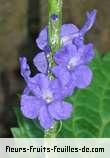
71,68
41,62
25,69
91,16
42,98
68,32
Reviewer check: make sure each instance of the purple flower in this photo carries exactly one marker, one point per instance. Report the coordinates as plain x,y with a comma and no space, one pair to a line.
71,69
68,32
42,99
25,69
42,41
91,16
41,63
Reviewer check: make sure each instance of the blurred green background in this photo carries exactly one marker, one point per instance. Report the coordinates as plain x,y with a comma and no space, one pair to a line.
20,23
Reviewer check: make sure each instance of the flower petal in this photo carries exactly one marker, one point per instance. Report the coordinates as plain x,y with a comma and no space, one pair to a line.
42,40
62,74
25,70
60,110
68,29
38,83
26,91
68,89
30,106
78,41
91,16
55,88
67,84
40,61
34,88
68,32
85,53
82,76
71,50
88,53
42,81
45,118
63,56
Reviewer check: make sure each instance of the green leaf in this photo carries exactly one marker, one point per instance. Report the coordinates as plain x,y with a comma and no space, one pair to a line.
91,116
107,57
27,128
16,132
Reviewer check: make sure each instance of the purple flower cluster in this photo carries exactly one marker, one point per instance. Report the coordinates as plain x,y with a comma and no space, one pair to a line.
43,97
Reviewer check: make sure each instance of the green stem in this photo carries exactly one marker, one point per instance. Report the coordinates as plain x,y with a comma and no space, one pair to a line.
54,27
51,132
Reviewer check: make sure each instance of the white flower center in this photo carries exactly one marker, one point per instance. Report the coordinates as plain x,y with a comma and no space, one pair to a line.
72,63
48,96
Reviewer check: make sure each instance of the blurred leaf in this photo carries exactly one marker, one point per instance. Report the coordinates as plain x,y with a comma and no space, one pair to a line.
27,128
91,116
107,57
17,133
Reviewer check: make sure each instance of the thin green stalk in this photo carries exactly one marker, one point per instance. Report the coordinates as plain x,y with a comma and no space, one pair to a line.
54,27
